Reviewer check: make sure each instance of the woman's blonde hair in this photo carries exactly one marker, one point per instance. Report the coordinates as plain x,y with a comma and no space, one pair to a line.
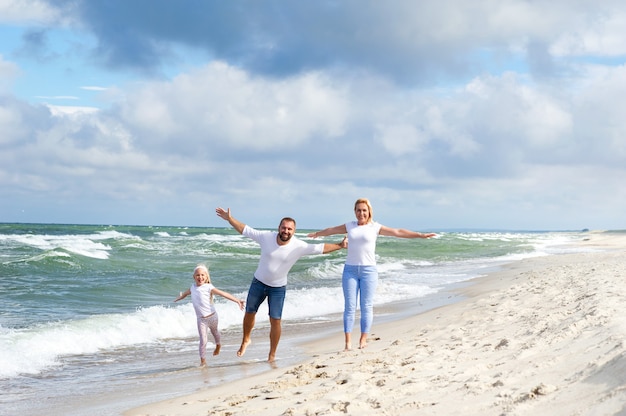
369,207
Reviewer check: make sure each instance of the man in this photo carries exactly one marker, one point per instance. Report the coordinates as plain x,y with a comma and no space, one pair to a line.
279,252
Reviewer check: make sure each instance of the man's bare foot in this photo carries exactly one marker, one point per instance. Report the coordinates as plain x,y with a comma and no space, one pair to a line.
242,349
271,358
216,351
202,362
362,345
348,347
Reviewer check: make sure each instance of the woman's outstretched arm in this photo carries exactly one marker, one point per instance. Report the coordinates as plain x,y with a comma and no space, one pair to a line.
340,229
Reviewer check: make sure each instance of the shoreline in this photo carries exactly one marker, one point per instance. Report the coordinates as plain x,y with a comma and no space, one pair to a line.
540,336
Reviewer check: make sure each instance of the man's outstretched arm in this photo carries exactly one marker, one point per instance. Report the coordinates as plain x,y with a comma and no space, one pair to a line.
225,215
330,247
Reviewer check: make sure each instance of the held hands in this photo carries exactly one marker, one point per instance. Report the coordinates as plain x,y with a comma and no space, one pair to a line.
343,243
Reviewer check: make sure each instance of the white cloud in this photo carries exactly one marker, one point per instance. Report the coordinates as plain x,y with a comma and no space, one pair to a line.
27,11
12,125
223,103
59,110
601,35
8,72
93,88
400,139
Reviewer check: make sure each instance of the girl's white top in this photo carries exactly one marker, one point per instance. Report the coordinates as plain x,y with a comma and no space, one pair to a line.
201,299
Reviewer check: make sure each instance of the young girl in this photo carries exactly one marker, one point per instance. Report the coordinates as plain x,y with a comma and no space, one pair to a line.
202,298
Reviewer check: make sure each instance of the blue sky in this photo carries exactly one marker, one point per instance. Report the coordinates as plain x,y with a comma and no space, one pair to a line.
446,114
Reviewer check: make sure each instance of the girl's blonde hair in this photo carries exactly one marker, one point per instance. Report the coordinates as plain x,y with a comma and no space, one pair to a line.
369,207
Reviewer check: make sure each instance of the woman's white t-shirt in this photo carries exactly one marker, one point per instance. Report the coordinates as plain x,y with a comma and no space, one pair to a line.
362,243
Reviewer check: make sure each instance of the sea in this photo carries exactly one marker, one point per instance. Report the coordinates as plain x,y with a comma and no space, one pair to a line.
88,324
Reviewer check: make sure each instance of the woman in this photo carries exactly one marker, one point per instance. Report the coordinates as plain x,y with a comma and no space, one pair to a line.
360,276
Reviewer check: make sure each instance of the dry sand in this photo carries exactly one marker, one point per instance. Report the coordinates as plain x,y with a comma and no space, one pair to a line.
543,337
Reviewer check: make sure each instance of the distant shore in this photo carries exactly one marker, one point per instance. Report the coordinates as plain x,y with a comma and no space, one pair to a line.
543,336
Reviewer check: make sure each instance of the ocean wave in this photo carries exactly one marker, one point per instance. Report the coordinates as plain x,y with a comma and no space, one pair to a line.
45,346
77,244
35,349
111,235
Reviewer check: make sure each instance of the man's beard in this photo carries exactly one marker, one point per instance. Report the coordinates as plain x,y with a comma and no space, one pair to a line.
284,237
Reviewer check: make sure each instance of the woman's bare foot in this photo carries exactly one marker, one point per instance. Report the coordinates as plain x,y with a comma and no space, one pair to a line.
348,341
216,351
363,341
202,362
242,349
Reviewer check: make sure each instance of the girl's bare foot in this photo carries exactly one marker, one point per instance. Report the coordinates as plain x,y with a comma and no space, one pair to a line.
216,351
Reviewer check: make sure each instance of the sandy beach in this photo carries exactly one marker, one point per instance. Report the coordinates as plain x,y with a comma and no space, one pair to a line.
543,336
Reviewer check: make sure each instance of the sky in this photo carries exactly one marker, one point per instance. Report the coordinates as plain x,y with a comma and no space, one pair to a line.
446,114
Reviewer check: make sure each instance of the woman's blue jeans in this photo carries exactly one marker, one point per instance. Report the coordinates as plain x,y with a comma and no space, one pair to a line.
358,282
